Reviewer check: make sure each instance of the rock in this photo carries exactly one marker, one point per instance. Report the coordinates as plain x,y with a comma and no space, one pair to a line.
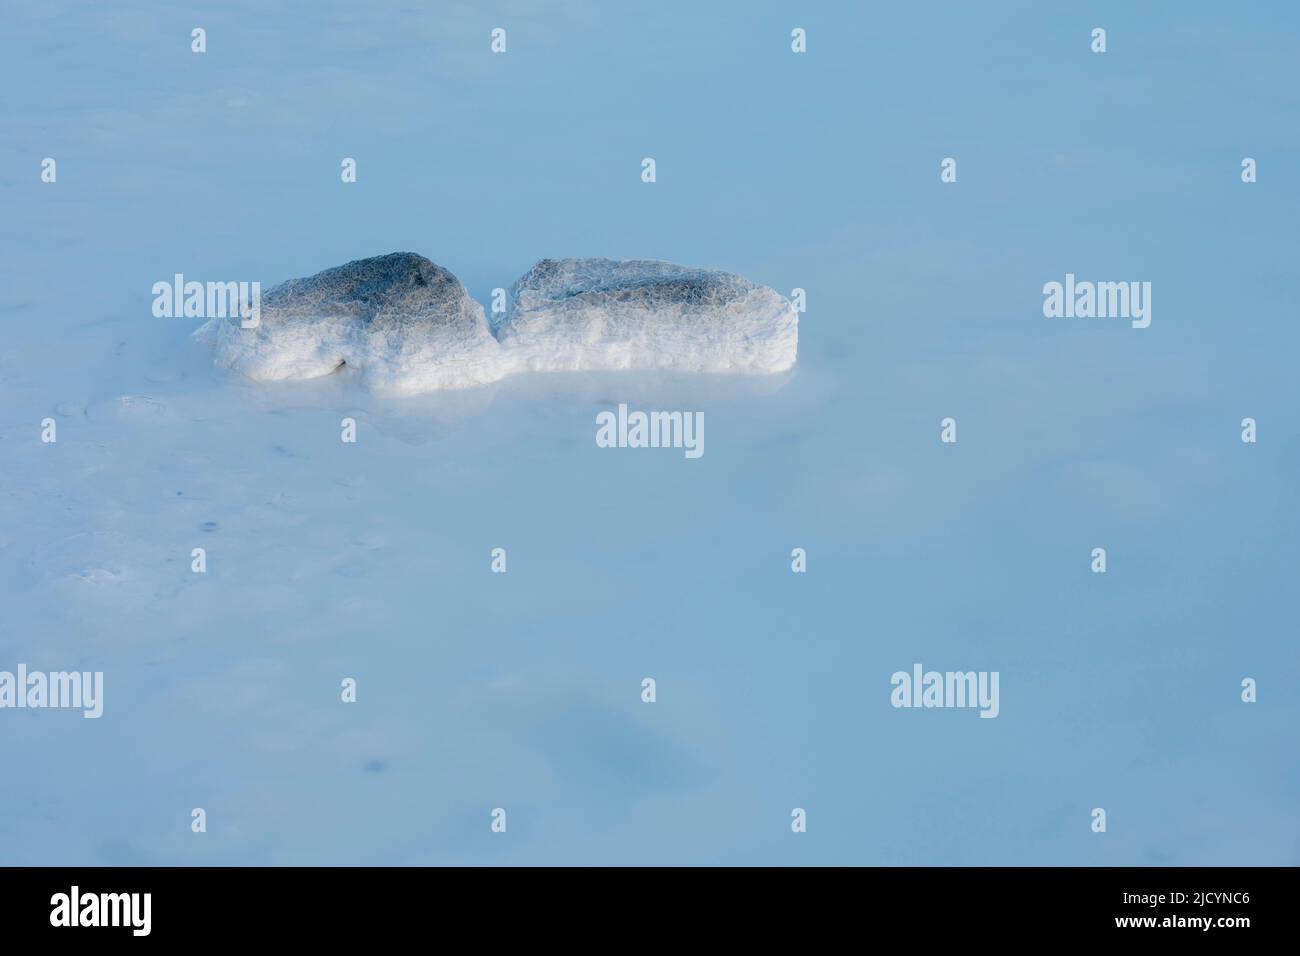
406,324
588,314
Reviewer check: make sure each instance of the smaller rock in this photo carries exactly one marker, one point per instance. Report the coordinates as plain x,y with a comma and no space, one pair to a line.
596,314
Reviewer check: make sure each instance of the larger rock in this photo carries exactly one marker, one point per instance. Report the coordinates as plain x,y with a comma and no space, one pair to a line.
407,324
586,314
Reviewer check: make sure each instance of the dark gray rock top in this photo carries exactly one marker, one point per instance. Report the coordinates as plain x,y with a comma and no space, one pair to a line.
394,291
652,282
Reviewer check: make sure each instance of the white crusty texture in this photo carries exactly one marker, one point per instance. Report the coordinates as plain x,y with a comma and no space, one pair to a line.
595,314
407,324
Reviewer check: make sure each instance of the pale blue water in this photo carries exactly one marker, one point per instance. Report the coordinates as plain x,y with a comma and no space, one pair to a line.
522,690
